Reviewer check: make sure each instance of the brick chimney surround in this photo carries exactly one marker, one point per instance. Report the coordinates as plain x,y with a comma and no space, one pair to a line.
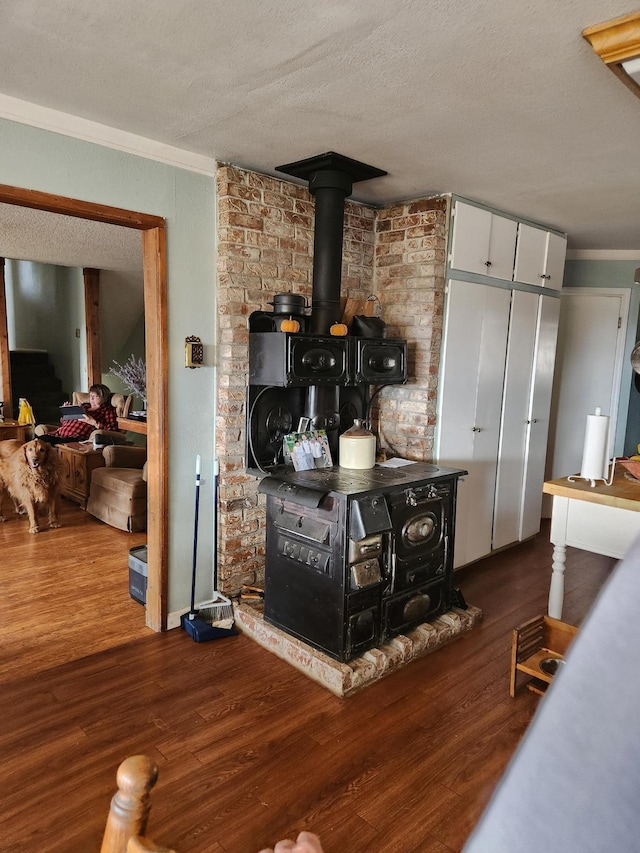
265,246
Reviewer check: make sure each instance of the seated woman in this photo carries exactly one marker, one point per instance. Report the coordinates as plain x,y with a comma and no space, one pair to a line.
99,414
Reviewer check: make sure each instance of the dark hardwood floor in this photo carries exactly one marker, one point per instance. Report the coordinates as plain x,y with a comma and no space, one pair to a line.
249,750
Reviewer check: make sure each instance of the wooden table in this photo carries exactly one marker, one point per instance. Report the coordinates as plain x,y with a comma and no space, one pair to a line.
602,519
12,429
78,461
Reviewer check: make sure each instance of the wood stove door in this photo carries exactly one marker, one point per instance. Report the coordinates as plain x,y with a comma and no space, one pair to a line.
420,537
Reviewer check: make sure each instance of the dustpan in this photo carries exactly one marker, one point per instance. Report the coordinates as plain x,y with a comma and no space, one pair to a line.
212,619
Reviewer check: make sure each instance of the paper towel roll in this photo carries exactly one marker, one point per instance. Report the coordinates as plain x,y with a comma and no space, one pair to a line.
594,454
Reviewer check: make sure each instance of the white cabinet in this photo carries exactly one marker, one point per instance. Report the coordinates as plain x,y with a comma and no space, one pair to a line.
524,426
470,397
539,257
482,242
486,243
493,412
510,460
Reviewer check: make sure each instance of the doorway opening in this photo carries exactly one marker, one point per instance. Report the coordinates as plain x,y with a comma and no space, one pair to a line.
153,233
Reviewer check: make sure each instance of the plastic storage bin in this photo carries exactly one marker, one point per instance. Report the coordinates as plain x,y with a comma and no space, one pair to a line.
138,574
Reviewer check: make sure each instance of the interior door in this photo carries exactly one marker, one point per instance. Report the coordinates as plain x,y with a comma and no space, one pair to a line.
470,398
589,364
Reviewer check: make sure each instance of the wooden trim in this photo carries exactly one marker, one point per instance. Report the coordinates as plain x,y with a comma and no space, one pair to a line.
154,252
92,322
133,425
616,40
155,301
80,209
5,359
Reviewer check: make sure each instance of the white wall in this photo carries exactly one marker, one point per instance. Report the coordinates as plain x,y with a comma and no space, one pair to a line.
49,162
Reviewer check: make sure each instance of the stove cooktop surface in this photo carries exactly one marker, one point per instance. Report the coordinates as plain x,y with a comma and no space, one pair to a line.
352,481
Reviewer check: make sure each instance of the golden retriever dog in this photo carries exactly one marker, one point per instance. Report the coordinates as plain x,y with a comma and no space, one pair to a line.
29,474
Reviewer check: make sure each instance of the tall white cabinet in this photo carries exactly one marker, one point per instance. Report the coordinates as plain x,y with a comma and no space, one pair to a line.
494,398
470,399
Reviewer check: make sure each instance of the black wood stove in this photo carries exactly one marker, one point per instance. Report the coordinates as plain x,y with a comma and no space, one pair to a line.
357,557
352,557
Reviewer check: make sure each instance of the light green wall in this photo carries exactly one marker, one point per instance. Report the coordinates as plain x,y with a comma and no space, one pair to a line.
134,345
44,308
52,163
616,274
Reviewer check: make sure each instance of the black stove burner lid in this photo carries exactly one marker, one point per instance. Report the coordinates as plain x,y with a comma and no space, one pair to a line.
296,485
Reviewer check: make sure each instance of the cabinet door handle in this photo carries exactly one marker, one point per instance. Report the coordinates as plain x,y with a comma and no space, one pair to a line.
487,263
542,275
476,429
533,421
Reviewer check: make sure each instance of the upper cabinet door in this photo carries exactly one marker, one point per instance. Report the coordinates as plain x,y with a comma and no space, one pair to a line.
540,257
530,255
502,246
482,242
554,266
471,236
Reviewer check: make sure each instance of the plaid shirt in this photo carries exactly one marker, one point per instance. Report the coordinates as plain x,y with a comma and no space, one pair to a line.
104,415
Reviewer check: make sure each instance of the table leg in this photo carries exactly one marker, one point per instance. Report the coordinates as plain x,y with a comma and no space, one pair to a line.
559,523
556,590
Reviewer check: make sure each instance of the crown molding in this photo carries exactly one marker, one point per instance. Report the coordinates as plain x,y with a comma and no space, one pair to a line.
44,118
617,39
615,42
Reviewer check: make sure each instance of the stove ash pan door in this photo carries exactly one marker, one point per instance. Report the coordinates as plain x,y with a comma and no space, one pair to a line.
412,607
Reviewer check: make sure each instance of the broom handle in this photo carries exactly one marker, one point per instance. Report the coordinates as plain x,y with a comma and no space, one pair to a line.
195,535
215,525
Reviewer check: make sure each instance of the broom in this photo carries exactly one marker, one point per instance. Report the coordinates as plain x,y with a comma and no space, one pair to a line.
217,610
214,618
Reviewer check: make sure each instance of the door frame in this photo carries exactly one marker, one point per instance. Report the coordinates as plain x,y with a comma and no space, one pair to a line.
154,255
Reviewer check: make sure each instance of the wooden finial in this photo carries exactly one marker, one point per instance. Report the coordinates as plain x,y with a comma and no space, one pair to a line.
130,804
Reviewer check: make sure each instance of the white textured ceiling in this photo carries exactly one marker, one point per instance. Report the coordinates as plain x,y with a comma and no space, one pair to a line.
502,101
35,235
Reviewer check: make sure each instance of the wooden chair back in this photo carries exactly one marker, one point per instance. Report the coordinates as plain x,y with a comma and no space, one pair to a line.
130,806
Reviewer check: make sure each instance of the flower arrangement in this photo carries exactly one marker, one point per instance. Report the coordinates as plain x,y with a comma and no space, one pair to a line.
133,375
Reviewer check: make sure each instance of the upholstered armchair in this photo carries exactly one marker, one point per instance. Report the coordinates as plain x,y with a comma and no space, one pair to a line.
118,492
120,403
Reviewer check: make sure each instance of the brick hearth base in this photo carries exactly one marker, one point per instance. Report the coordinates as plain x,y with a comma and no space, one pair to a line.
343,679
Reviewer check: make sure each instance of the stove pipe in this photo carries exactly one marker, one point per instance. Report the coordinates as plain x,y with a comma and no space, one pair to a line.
331,177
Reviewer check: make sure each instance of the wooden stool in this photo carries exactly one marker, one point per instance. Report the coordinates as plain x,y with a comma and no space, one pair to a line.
535,646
